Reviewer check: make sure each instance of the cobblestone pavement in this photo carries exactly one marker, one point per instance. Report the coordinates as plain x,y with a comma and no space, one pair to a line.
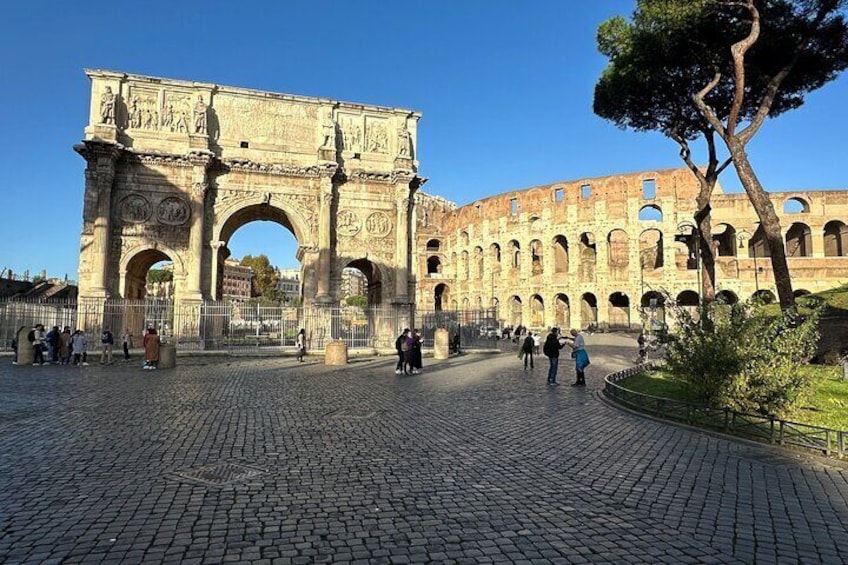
473,461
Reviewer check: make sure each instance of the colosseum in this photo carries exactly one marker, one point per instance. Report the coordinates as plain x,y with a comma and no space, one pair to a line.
606,251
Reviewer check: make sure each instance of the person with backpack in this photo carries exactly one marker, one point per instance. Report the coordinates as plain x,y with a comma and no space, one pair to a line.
551,349
527,349
107,341
401,348
300,343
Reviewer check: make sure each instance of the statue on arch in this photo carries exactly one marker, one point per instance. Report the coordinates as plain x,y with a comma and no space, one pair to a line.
107,107
329,130
199,115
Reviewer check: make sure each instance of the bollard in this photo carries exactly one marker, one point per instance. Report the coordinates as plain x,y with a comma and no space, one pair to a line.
441,344
25,351
167,356
335,353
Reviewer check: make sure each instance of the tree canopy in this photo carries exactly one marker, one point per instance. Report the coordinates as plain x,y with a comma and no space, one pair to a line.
264,274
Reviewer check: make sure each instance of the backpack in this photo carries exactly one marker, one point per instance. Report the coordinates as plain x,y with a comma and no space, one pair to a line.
31,336
550,347
106,337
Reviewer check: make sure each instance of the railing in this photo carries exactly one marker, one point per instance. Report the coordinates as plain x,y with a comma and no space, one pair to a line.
752,426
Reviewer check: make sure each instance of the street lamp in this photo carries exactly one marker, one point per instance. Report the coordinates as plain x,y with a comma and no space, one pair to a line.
742,236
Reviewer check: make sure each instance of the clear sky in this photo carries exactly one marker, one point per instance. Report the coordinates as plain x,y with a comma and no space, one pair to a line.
505,88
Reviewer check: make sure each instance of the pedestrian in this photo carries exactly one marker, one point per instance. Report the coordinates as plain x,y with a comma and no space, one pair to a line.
107,342
37,338
79,344
581,357
300,343
551,349
15,350
151,349
126,343
642,341
527,349
537,343
52,339
65,346
415,356
400,347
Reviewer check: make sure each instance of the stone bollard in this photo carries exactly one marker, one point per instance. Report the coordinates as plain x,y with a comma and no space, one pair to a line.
335,353
25,351
167,356
441,344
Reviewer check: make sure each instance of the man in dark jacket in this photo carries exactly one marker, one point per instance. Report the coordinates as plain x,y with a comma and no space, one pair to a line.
400,345
527,348
551,350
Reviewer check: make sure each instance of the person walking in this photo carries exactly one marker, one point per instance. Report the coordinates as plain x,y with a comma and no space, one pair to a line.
38,346
151,349
527,349
79,344
537,343
415,356
107,342
581,357
126,343
300,343
400,347
551,349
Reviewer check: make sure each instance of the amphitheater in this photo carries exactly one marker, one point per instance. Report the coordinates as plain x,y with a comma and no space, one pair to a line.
175,167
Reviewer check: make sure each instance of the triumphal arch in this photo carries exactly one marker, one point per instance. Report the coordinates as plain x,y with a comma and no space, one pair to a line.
174,168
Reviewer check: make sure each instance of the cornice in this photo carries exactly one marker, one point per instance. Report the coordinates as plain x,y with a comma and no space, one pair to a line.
308,171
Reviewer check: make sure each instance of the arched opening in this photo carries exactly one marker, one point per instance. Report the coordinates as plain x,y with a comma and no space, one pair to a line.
724,240
263,238
758,246
463,265
433,246
800,292
463,239
835,239
796,205
560,244
515,311
650,213
727,297
478,262
588,256
619,254
537,311
687,247
799,240
562,311
373,280
651,250
687,298
441,296
434,265
495,253
536,258
653,309
515,253
149,274
764,296
589,309
454,265
619,310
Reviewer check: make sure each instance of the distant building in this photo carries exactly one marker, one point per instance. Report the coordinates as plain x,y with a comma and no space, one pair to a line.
354,283
163,290
237,280
288,283
40,287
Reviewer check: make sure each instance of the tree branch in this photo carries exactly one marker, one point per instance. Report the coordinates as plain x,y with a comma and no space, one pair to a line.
686,155
706,110
770,94
738,51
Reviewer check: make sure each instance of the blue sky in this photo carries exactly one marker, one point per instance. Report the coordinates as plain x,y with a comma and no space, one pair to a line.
505,88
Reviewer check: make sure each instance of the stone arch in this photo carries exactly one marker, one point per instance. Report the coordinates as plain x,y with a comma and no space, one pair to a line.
725,240
441,296
466,304
537,257
799,240
801,292
434,246
758,246
136,262
537,311
463,238
651,249
562,311
463,265
765,296
478,303
515,254
650,213
588,256
687,298
653,306
454,265
589,309
619,310
835,239
495,252
373,275
515,311
619,249
434,265
478,262
796,205
254,208
727,297
560,245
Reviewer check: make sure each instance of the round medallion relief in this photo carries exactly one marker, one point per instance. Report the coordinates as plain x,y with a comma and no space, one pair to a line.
134,209
172,211
348,223
378,224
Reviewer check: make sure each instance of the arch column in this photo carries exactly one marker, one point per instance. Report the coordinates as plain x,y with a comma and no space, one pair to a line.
404,202
200,161
325,225
216,250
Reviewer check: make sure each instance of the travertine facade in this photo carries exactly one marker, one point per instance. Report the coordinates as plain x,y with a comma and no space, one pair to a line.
576,253
175,167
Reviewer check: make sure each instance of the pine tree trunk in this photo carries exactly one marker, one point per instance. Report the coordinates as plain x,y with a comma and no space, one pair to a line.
769,221
703,219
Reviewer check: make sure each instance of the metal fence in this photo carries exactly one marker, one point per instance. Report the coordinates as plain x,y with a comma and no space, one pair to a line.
245,327
752,426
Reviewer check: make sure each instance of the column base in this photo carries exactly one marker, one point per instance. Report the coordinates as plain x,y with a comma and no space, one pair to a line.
401,300
323,299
